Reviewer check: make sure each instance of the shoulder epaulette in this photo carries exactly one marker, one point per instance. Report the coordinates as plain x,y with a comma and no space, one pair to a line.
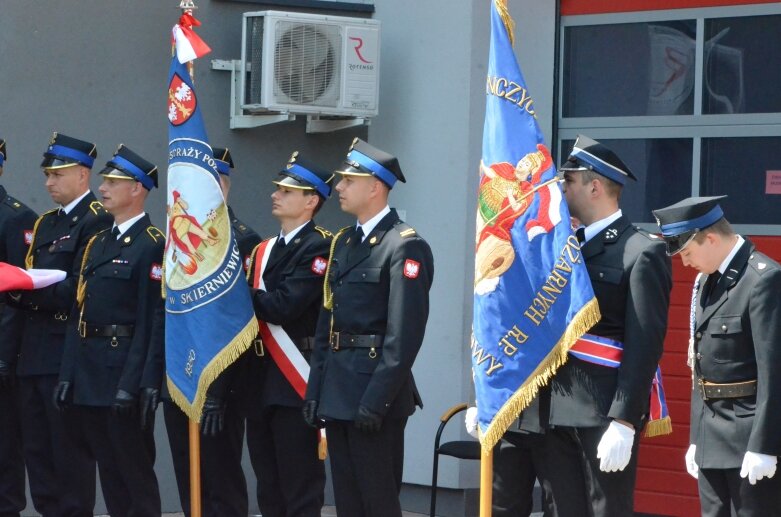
322,231
155,233
48,212
761,263
97,207
14,203
405,230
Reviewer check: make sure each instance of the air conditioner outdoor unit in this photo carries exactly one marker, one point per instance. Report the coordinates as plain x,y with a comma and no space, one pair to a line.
310,64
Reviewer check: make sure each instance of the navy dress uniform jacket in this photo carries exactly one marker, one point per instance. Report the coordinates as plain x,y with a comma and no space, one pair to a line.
16,228
738,338
292,299
632,278
122,287
58,242
380,286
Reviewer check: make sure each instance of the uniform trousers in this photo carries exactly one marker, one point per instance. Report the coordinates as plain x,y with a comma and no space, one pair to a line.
223,485
283,450
367,468
722,490
61,472
572,477
126,456
12,497
514,474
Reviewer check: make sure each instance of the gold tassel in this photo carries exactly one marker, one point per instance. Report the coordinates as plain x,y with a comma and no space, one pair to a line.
586,318
659,427
322,448
216,366
253,257
28,259
328,298
81,290
504,13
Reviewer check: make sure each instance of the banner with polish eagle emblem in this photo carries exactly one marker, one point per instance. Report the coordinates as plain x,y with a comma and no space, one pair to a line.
532,294
209,316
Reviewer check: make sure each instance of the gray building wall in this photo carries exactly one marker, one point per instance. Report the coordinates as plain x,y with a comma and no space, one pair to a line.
97,70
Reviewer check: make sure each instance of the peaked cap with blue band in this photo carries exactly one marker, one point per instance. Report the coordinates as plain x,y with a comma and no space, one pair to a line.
127,165
366,160
588,154
65,151
3,154
302,174
224,160
681,221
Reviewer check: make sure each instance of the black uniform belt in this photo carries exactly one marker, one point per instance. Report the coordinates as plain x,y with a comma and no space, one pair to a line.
711,390
304,344
87,330
340,340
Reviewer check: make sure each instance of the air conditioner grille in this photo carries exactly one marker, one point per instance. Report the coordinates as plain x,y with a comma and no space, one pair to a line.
255,51
306,59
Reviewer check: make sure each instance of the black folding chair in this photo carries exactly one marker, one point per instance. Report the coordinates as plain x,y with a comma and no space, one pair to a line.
462,449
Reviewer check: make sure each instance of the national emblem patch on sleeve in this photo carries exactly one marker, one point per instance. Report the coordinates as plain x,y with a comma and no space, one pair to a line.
156,272
247,261
411,268
28,237
319,264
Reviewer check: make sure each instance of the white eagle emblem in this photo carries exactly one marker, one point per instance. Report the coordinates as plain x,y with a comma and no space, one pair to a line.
319,265
411,268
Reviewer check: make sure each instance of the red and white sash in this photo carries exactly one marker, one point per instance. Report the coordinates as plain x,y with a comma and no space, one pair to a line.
285,353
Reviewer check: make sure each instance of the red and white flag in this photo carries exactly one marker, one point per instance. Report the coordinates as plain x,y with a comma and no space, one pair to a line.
189,45
14,278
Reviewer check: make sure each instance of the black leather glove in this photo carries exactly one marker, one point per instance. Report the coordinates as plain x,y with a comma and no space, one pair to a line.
213,416
147,404
62,395
309,410
367,420
124,403
6,375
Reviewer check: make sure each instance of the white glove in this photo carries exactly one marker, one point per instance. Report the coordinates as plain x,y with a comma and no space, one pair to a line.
691,465
470,421
757,466
615,447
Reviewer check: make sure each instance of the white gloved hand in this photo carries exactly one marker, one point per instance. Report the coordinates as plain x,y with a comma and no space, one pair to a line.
470,421
757,466
691,465
615,447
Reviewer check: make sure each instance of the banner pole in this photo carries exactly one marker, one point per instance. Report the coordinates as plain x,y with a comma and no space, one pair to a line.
195,469
486,483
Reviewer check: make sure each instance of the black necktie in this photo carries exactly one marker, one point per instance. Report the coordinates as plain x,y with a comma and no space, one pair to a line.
280,243
580,233
710,285
358,236
115,232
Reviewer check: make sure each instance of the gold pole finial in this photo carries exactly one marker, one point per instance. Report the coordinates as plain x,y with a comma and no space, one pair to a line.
504,12
187,5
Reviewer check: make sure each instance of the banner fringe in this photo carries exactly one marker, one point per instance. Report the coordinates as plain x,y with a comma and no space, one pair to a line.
658,427
216,366
587,317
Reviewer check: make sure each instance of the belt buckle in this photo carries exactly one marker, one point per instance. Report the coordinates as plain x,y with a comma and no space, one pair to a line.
335,342
259,350
82,329
702,389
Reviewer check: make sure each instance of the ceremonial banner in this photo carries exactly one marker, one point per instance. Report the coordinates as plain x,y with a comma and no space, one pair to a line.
209,318
14,278
532,294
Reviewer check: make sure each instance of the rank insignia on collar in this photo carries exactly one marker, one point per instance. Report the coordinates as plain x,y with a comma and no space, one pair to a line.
75,218
373,240
411,268
611,234
319,265
126,240
761,265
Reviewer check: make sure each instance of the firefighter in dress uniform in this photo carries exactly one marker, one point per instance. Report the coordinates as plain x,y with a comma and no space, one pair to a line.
376,301
108,341
282,447
61,474
16,230
734,349
596,412
223,485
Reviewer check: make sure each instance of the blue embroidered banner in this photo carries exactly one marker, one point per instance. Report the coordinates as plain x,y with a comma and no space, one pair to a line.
209,318
532,294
